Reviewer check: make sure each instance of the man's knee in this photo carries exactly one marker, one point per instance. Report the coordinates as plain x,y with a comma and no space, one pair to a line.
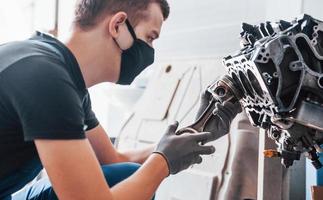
42,189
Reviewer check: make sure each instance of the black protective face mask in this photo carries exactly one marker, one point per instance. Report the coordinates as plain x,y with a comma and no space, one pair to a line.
135,59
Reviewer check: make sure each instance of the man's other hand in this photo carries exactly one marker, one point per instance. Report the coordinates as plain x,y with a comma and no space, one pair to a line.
223,114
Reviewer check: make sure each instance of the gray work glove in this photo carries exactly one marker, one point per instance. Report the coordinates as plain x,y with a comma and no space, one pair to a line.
204,102
181,151
223,114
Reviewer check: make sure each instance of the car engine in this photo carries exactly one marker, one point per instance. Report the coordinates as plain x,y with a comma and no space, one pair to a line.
277,77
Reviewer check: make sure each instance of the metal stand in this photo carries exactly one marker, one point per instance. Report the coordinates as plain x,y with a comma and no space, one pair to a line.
274,181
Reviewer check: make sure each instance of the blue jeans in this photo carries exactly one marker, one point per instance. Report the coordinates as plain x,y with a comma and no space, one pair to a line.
42,189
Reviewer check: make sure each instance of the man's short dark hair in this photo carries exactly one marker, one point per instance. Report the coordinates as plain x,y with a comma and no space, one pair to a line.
89,12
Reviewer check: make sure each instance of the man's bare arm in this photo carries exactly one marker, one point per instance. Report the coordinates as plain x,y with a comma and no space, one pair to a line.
136,155
106,152
75,173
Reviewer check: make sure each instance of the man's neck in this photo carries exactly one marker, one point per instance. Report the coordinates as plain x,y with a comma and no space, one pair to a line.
94,62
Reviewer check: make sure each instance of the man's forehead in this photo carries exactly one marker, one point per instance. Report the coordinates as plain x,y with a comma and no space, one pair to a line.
153,19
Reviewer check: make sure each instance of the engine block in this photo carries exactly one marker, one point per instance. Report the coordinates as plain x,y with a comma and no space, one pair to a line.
279,73
278,65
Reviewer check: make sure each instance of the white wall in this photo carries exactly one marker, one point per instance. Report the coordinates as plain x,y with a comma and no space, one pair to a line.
210,28
20,18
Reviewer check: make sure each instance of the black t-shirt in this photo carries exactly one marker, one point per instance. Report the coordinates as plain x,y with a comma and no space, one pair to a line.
42,96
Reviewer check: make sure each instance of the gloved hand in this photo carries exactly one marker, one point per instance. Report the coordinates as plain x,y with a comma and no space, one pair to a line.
181,151
223,114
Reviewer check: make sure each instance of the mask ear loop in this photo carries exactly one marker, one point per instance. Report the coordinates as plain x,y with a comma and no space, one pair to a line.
130,28
131,31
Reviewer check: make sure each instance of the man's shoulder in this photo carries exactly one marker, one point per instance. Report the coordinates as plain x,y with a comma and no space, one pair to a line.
37,73
28,55
35,67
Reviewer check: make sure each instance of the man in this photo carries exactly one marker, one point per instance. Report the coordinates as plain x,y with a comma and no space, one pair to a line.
45,109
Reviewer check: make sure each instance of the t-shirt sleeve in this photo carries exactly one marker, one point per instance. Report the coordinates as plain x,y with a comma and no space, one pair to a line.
90,119
46,100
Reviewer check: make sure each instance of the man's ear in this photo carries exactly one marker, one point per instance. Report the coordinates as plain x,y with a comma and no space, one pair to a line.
116,23
119,31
